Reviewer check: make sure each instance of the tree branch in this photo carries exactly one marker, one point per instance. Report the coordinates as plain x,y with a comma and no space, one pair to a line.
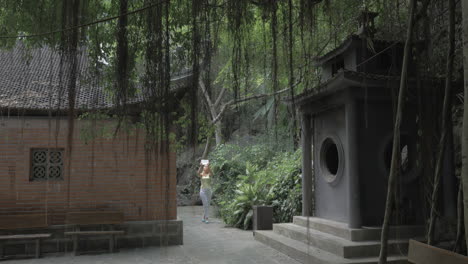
207,98
257,96
220,96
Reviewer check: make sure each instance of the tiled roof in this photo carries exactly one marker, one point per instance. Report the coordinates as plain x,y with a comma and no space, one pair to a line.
346,44
33,80
351,77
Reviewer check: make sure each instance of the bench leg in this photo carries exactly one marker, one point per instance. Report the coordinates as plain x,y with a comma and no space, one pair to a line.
75,245
1,250
38,248
112,243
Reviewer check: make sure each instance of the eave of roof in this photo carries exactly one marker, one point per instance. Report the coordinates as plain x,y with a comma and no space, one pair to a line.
344,46
179,85
347,78
318,61
340,81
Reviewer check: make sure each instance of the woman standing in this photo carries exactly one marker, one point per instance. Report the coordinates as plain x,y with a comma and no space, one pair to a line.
204,172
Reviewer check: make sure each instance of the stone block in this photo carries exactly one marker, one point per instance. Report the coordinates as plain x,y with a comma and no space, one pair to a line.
262,217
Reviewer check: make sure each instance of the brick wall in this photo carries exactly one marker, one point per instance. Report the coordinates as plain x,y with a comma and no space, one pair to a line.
104,174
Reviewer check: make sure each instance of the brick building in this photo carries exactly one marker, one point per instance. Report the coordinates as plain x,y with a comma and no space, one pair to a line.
104,174
37,173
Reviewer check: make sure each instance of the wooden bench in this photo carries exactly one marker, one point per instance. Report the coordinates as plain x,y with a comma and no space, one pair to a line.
12,223
80,220
421,253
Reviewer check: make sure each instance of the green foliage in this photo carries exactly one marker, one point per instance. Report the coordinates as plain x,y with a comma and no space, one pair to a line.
253,188
239,34
95,125
256,174
205,128
102,125
287,189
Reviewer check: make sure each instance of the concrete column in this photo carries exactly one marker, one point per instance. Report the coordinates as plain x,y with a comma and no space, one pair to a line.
352,163
306,144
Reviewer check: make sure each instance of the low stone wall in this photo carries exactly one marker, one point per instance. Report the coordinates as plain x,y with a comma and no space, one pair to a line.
137,234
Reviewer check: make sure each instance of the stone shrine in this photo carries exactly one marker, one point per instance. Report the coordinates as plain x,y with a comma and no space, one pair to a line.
347,138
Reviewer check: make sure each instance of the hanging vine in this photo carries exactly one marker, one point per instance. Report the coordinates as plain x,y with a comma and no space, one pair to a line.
69,46
196,50
274,76
122,71
292,108
236,12
157,74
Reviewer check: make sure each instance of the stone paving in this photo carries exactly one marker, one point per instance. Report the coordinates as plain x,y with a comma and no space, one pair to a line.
203,243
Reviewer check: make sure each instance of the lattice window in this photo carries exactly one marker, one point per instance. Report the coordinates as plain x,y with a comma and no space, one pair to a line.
46,164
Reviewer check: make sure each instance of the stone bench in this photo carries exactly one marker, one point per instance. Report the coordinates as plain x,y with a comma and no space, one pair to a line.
421,253
80,220
14,223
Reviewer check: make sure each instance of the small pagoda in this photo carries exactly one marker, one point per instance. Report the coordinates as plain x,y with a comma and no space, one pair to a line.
347,138
348,119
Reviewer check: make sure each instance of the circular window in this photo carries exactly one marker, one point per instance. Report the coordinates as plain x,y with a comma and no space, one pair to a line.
331,159
408,166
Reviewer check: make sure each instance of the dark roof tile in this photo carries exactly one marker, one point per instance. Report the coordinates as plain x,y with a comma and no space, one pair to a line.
32,79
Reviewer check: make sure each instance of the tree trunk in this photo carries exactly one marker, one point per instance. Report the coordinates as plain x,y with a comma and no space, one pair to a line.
216,116
219,132
394,167
207,148
446,112
464,141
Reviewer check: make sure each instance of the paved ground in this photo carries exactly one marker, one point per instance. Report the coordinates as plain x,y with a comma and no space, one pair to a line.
203,243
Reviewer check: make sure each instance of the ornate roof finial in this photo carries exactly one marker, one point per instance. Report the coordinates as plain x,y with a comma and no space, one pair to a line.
366,23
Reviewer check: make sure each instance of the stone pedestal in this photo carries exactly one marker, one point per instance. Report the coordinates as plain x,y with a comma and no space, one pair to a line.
262,218
317,240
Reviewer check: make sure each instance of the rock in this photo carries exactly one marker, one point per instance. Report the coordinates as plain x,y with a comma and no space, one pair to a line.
187,181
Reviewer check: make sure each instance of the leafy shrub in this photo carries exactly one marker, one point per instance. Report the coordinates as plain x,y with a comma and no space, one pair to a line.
229,161
255,175
287,190
253,188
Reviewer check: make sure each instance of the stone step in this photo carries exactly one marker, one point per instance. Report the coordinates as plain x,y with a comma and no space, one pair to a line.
363,234
337,245
309,254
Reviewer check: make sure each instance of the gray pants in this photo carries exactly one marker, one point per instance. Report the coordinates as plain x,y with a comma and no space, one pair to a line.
205,195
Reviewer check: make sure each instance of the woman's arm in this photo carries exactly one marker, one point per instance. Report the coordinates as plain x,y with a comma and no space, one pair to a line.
200,171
